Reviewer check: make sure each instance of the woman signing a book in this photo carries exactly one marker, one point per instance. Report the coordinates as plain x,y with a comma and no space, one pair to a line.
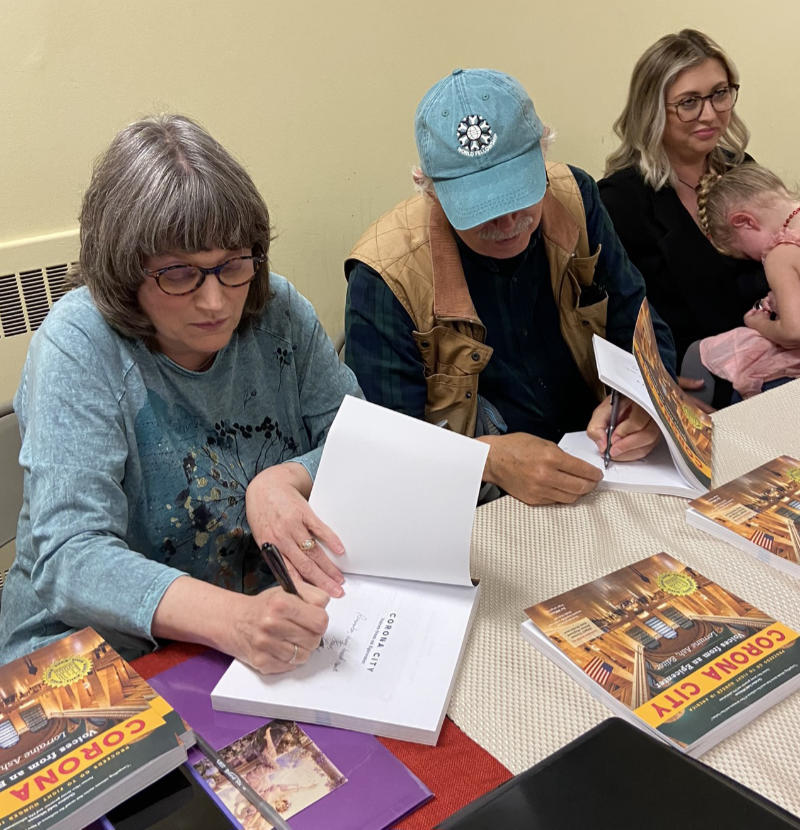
173,409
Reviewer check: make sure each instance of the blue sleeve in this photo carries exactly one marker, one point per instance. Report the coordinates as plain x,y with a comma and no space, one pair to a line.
623,282
323,379
379,346
75,515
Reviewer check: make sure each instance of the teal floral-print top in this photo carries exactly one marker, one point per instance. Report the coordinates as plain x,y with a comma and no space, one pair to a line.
135,469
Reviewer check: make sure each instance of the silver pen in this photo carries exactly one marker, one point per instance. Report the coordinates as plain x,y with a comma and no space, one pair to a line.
261,804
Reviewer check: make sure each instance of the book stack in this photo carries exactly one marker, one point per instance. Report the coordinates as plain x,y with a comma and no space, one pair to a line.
80,731
758,512
669,650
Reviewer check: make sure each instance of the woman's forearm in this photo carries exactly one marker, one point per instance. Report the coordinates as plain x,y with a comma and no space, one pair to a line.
273,631
195,611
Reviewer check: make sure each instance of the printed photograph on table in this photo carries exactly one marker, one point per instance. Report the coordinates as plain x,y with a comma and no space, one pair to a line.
689,426
669,649
758,511
281,763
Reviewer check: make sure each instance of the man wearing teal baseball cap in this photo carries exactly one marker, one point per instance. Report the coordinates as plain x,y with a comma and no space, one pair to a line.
473,303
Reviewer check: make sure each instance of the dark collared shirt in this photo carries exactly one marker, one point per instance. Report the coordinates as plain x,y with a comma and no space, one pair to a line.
531,378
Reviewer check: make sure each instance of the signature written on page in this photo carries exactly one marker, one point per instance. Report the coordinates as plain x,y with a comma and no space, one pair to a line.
339,645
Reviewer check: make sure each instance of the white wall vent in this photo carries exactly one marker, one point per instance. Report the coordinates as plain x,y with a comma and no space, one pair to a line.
27,296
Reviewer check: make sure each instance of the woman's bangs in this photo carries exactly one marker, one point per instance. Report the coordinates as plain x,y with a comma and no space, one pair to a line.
196,216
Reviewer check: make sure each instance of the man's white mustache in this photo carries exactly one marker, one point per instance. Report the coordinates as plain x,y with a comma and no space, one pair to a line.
491,234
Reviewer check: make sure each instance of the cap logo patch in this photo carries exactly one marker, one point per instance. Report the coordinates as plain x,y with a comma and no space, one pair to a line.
475,136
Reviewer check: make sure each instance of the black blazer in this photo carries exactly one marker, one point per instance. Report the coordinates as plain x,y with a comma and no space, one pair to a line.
696,290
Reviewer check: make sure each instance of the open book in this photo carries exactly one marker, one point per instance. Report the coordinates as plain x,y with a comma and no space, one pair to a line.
669,650
642,378
401,495
656,473
758,512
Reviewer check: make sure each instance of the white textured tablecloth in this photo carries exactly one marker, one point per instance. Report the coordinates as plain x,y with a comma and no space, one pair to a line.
516,704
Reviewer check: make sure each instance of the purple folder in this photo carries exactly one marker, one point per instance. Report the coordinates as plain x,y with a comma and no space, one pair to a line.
380,789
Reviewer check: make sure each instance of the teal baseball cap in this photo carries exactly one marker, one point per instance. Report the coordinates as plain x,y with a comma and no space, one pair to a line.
479,140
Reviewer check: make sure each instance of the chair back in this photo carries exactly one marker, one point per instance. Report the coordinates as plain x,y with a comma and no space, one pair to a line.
10,491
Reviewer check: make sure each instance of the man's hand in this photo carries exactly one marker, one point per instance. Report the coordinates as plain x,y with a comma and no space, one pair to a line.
633,438
537,471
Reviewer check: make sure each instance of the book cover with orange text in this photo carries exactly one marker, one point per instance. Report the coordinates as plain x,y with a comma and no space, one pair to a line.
80,731
669,649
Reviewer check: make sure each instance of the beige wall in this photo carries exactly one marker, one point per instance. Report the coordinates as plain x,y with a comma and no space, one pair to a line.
317,99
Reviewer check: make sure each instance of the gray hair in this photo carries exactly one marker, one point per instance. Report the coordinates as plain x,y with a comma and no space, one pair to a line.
742,187
425,184
640,127
164,185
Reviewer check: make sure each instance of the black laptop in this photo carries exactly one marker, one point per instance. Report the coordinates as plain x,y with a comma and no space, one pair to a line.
616,777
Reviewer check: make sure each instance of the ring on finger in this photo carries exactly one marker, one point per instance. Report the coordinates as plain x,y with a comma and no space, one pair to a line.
294,656
307,544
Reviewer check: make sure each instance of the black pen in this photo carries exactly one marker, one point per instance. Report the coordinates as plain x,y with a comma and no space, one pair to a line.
262,805
612,425
272,556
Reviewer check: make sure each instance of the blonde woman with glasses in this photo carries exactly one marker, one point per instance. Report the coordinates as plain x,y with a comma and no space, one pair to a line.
678,124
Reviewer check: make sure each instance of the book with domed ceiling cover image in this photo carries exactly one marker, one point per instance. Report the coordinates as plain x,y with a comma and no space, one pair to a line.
80,731
689,427
758,512
642,378
669,650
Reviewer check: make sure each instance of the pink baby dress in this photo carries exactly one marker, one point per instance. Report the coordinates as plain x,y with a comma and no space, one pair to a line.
746,358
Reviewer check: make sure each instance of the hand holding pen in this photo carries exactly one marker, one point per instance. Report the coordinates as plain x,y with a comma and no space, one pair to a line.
627,427
277,564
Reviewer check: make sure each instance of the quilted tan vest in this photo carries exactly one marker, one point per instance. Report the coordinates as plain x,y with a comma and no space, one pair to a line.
413,248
